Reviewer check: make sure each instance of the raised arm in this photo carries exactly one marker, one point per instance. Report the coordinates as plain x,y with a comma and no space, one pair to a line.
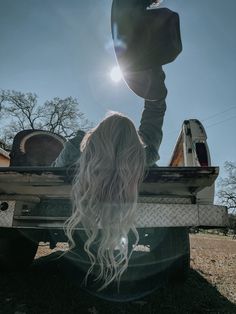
152,119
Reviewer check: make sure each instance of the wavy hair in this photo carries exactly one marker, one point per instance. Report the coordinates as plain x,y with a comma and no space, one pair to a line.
104,195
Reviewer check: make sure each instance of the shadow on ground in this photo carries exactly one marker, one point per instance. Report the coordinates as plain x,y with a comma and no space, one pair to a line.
37,292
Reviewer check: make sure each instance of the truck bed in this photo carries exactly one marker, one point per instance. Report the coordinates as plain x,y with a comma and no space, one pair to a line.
39,198
50,181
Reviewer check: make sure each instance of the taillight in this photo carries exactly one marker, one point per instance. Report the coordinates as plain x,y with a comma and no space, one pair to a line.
201,152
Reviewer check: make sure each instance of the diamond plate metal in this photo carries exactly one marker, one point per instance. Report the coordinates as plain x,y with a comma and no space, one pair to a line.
6,216
164,200
177,215
148,215
209,218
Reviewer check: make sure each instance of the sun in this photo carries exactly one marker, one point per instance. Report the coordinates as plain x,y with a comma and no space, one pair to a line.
116,74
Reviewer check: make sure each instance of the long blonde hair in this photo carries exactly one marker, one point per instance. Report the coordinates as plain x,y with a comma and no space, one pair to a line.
104,194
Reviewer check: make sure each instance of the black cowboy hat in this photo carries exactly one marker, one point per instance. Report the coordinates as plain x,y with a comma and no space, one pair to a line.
144,40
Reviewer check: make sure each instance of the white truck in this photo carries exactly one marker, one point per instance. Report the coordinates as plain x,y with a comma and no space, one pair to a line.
35,202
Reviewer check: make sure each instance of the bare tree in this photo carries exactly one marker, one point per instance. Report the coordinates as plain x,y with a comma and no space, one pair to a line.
227,187
20,111
226,196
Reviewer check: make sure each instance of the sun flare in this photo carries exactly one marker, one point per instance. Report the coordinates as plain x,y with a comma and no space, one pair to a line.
116,74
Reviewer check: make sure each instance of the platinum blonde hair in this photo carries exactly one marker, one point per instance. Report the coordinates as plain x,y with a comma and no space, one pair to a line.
104,194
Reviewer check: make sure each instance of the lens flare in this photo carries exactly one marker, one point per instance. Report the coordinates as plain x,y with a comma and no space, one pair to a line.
116,74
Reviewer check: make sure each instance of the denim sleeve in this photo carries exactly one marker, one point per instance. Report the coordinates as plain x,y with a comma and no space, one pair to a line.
70,153
152,119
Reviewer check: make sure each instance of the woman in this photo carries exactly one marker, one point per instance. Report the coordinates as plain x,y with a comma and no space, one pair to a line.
110,163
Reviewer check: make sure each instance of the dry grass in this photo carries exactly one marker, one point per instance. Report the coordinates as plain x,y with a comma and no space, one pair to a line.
214,257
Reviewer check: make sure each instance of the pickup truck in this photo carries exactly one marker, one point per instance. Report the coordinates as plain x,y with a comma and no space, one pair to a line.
35,202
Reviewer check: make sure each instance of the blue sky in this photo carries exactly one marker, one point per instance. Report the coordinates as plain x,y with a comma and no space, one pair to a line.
63,48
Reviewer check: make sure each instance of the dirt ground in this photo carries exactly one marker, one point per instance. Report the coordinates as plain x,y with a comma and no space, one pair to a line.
210,287
214,257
